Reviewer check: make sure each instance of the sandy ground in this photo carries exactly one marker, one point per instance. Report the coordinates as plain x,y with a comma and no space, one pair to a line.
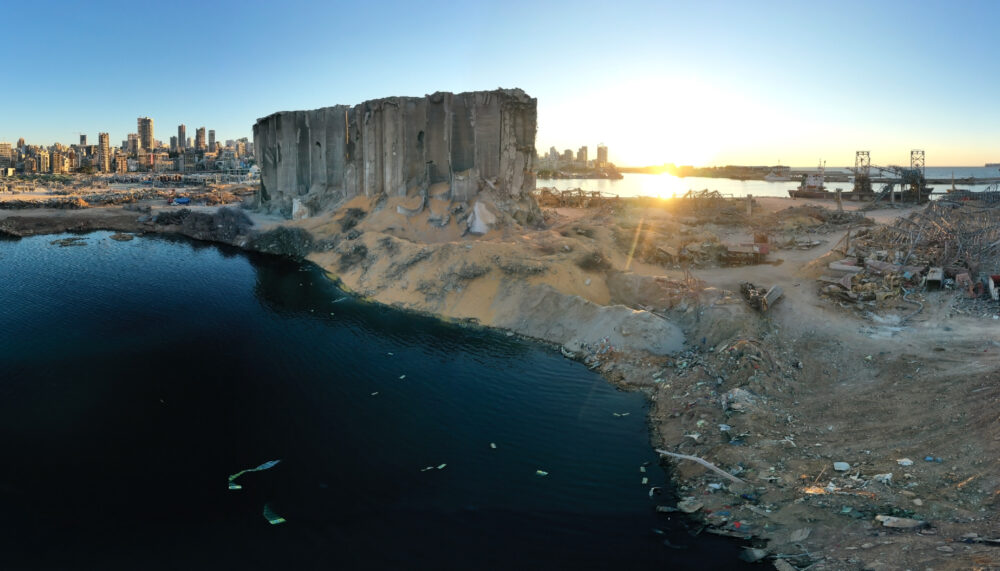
773,398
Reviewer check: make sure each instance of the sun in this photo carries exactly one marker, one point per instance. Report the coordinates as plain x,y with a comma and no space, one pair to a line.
683,124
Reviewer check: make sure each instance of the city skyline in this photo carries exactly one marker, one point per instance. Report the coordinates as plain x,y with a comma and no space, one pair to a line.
657,82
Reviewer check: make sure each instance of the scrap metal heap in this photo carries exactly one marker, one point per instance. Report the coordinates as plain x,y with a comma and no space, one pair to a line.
947,245
578,198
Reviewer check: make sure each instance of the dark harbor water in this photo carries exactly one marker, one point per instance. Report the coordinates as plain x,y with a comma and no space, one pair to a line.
136,376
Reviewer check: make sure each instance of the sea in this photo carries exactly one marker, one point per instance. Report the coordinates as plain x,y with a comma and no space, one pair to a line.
666,185
138,376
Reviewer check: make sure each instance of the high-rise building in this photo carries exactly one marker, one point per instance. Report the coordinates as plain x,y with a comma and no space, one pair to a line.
146,133
43,161
83,140
173,144
567,155
20,143
602,156
6,156
103,152
211,139
58,160
199,139
182,136
121,164
133,144
581,155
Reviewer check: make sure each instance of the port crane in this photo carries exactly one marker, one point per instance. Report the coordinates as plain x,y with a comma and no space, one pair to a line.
912,182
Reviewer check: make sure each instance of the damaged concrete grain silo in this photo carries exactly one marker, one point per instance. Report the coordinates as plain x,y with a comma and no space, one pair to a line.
461,147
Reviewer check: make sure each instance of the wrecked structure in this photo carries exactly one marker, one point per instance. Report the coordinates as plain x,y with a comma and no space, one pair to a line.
445,146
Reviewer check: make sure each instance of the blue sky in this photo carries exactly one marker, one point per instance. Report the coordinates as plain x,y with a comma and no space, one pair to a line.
687,82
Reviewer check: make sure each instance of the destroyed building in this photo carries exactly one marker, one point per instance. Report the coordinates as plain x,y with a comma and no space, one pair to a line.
452,145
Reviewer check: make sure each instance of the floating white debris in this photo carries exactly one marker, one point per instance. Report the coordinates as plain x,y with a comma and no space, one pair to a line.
271,517
389,354
233,486
374,393
264,466
645,480
427,468
401,377
441,466
642,469
541,473
493,445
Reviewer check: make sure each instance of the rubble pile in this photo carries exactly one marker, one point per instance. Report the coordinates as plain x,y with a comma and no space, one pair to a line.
812,219
957,237
943,246
577,198
116,197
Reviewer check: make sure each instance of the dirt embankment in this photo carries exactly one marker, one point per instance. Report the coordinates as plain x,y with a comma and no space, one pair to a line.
775,400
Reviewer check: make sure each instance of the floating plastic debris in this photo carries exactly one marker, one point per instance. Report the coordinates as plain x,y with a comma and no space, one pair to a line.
441,466
645,480
493,445
401,377
389,354
541,473
621,413
427,468
233,486
374,393
271,517
642,469
265,466
337,300
654,490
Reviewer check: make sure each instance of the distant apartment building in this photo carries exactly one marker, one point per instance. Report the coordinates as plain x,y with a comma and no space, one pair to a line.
103,152
581,155
173,144
602,156
133,144
121,164
57,162
567,155
6,155
199,139
211,140
146,133
182,140
43,161
83,140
